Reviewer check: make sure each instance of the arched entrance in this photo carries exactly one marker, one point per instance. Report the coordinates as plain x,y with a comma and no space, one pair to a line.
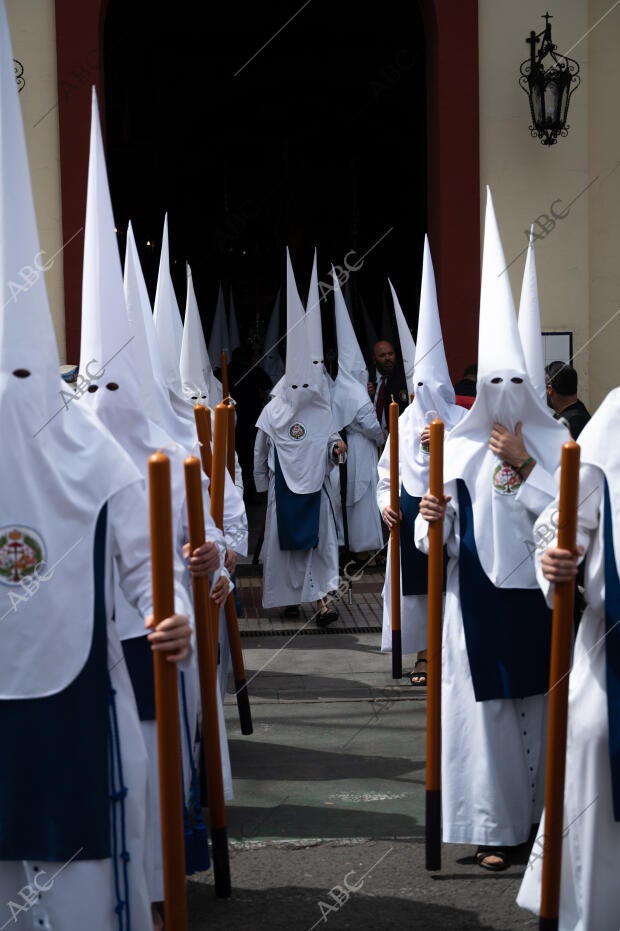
452,172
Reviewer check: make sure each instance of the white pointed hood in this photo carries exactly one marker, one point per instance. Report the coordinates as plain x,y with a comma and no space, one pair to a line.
146,346
167,318
505,395
298,418
59,465
106,334
407,345
529,325
432,386
271,358
315,332
233,327
199,383
219,339
351,388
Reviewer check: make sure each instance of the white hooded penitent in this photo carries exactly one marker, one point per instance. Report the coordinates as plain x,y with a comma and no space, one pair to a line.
351,386
407,345
200,386
505,395
298,419
59,466
529,324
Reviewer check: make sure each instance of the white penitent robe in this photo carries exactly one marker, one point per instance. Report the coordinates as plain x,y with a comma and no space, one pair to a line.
492,752
363,436
413,608
82,894
292,577
589,899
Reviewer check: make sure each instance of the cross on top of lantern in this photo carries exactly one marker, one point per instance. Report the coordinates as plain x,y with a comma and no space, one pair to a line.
548,79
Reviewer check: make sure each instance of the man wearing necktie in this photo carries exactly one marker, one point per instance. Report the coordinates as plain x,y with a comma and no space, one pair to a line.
388,382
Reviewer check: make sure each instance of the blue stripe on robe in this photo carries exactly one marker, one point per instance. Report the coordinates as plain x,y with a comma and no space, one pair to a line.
297,515
54,788
507,630
612,653
139,660
413,563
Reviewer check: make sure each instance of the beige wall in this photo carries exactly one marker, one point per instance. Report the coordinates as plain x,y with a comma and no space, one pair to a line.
33,37
525,177
604,233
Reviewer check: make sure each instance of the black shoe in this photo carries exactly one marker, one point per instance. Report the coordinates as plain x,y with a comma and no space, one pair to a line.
291,611
326,616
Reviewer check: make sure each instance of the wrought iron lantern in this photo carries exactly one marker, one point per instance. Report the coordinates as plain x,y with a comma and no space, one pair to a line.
549,79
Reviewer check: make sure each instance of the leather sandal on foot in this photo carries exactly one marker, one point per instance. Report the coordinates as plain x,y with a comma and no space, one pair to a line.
483,853
418,676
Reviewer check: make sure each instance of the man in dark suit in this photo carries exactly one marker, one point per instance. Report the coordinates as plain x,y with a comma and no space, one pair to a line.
561,379
386,381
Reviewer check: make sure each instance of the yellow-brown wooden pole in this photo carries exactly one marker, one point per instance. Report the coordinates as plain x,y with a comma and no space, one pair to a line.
397,652
433,692
217,513
230,440
167,698
206,614
561,640
202,416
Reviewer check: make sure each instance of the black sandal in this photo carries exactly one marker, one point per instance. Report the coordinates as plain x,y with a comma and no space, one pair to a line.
482,854
419,674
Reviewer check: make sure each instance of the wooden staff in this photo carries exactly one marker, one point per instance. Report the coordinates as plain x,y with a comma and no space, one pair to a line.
167,698
206,614
561,640
230,444
202,416
397,652
232,625
433,693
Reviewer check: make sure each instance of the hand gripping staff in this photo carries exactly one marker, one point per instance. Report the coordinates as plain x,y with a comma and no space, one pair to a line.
216,477
433,694
561,638
206,614
230,410
397,652
167,698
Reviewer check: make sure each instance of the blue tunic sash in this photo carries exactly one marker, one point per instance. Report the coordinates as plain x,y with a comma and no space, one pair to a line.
413,563
297,515
507,630
612,652
54,790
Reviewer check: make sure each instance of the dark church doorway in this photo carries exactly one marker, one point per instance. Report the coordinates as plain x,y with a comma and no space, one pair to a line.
316,139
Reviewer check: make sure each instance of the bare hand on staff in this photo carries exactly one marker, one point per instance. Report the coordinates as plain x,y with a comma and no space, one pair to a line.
560,565
431,508
339,449
230,562
204,560
425,436
390,517
220,591
172,636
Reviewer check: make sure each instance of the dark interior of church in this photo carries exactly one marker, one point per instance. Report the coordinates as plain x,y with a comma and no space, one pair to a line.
256,127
